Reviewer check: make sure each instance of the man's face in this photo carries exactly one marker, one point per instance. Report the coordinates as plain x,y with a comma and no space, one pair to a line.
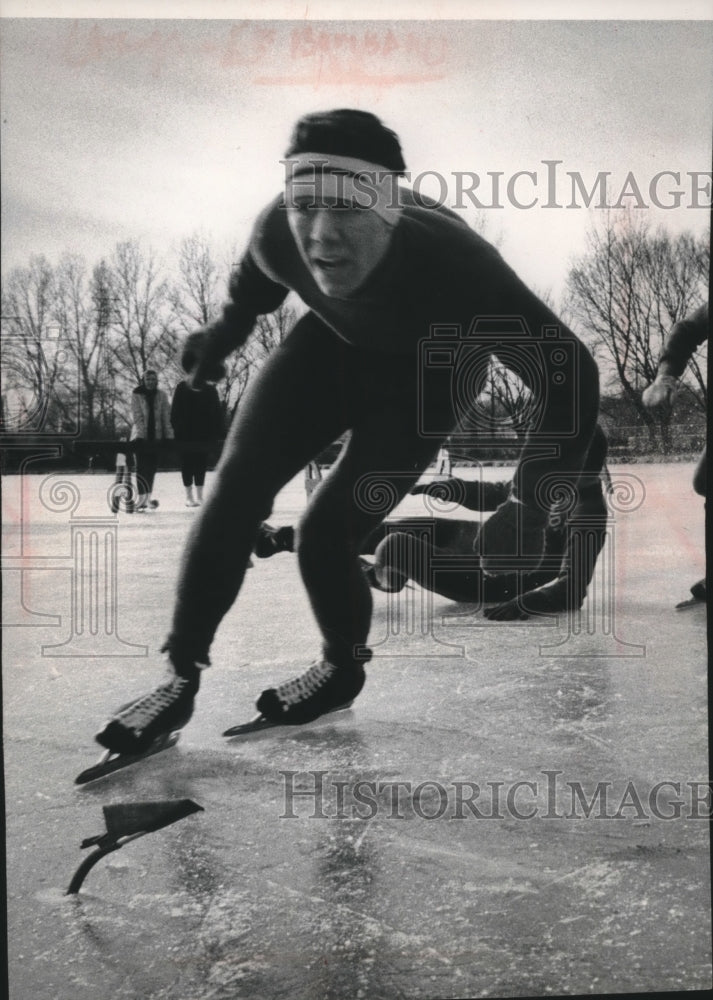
340,242
150,380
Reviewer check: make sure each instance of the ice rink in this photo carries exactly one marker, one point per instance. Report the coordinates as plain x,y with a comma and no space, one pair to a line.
508,809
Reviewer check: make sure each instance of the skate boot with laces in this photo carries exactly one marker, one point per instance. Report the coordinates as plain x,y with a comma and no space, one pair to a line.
321,689
272,540
140,723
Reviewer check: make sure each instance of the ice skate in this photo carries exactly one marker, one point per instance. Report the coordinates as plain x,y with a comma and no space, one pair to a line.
699,595
271,540
323,689
119,496
135,726
110,761
146,725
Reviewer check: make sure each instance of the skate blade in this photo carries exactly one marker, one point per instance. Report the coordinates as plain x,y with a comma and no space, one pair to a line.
110,762
260,723
692,602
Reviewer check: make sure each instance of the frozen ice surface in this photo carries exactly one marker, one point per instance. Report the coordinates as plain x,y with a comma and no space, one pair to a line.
480,874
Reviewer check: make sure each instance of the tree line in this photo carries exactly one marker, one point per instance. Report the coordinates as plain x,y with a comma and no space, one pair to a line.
76,340
625,293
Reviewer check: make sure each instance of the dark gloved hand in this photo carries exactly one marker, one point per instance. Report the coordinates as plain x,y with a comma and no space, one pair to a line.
661,393
552,598
201,359
521,608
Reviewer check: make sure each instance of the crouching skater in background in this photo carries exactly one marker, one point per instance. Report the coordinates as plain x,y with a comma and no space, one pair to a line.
440,553
408,550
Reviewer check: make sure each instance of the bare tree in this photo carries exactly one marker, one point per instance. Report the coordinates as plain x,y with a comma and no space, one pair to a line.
678,270
197,299
628,290
197,296
143,332
269,332
39,391
82,308
509,398
125,317
111,406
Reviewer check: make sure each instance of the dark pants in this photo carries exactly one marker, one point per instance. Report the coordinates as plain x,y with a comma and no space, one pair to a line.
193,467
416,546
441,554
312,389
146,466
123,498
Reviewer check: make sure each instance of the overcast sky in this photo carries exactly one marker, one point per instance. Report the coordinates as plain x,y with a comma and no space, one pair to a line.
156,129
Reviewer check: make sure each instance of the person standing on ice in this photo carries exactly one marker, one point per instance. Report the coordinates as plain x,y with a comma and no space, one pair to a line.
197,421
377,270
151,414
681,344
